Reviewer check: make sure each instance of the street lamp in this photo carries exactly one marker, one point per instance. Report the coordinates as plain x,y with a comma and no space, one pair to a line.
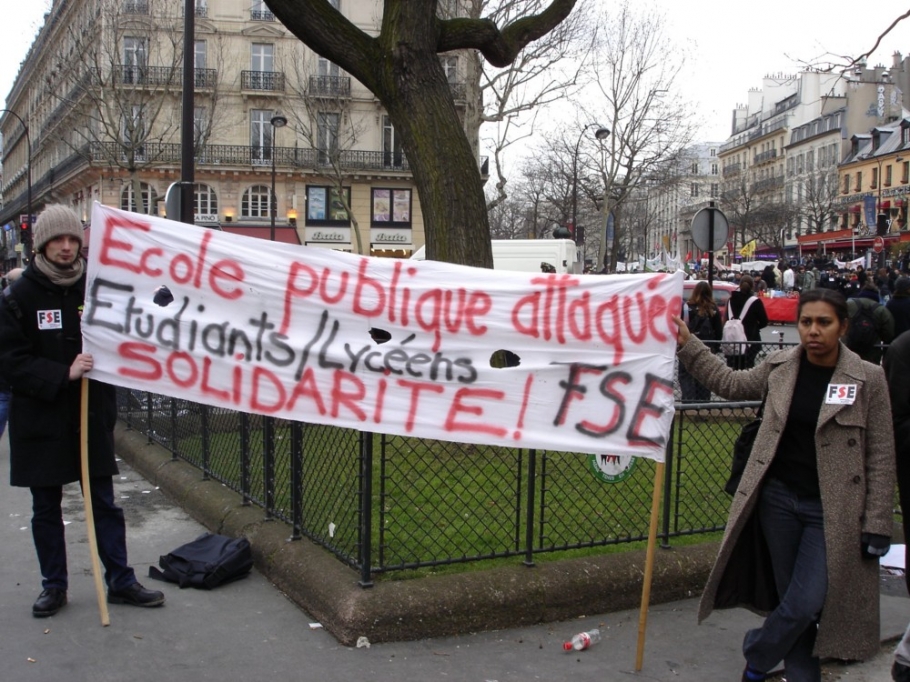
601,134
277,121
26,244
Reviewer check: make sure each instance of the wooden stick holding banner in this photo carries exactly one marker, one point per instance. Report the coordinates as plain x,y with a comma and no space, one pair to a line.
89,513
649,565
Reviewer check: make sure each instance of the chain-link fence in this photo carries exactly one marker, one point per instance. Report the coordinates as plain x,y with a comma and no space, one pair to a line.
386,503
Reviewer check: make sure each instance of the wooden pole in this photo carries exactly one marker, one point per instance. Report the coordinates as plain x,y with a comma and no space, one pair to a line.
89,514
649,565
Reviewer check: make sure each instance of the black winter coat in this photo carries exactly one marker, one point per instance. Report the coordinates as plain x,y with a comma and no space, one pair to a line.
35,357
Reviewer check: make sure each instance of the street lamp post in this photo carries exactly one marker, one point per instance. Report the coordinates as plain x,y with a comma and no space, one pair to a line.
277,121
880,215
601,134
27,244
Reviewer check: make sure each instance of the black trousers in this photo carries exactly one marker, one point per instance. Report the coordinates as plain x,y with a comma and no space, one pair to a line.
50,541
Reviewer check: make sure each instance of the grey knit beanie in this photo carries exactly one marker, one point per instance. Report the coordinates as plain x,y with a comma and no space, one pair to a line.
55,221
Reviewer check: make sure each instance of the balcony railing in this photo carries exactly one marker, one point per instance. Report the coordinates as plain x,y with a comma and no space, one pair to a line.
732,169
768,184
329,86
137,74
135,6
204,78
766,156
202,10
261,15
267,81
458,90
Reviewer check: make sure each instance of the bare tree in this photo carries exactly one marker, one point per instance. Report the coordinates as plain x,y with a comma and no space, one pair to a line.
327,122
401,67
637,70
818,190
546,71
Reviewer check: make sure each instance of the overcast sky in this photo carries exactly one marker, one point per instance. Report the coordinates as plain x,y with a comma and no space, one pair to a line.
734,44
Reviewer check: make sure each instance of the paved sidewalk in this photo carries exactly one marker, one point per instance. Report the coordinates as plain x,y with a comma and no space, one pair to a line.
250,631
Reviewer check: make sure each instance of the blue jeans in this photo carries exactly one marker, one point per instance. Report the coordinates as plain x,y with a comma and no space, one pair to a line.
110,531
794,531
5,397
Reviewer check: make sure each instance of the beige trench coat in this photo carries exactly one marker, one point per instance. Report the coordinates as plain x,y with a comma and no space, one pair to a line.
856,471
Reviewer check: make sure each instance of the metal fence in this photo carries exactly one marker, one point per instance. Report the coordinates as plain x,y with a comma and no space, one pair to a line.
385,503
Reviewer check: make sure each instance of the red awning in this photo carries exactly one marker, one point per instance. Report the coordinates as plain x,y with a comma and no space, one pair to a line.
818,237
885,204
856,209
283,233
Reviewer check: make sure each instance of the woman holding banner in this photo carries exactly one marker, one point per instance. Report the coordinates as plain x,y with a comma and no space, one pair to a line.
813,511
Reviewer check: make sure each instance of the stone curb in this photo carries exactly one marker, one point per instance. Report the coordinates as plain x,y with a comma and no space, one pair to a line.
397,610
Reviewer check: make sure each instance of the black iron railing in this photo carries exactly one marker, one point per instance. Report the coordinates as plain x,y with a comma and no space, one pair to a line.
268,81
383,503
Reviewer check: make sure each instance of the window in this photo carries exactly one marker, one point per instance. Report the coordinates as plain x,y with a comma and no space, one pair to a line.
199,54
391,145
200,127
391,208
132,133
262,57
325,206
205,203
694,169
888,175
905,172
255,202
859,181
327,135
450,66
874,178
715,189
712,152
135,59
846,183
261,135
148,198
326,68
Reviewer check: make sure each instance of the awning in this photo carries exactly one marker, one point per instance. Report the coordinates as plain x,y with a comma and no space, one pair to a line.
885,204
818,237
283,233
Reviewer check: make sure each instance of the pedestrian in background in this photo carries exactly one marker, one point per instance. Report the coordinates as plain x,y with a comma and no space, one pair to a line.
899,305
813,510
754,321
41,357
703,319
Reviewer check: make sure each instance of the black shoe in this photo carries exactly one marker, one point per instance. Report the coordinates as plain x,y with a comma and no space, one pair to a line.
900,672
50,601
135,595
750,675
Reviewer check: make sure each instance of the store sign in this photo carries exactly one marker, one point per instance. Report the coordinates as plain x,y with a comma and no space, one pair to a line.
393,237
327,235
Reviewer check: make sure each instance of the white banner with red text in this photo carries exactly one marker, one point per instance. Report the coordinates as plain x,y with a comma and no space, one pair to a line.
386,345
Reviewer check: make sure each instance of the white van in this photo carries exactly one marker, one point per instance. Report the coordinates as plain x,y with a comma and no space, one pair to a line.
527,255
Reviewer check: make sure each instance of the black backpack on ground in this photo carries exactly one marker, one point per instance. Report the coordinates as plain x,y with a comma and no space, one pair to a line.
862,333
206,562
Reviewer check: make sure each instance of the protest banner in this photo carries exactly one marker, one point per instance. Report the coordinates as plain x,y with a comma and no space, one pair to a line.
386,345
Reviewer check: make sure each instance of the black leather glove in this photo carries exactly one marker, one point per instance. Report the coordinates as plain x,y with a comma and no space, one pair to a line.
875,546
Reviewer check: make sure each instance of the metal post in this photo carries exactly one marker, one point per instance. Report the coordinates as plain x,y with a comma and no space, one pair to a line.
711,210
277,121
601,134
188,128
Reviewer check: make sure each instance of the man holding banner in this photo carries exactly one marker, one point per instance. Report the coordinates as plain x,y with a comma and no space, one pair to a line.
41,357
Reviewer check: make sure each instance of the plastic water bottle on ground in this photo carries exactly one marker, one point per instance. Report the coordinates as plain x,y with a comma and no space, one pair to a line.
582,640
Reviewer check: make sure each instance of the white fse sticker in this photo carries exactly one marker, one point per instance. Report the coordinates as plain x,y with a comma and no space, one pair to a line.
50,319
841,394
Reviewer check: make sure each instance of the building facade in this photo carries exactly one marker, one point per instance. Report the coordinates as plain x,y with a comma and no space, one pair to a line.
96,116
